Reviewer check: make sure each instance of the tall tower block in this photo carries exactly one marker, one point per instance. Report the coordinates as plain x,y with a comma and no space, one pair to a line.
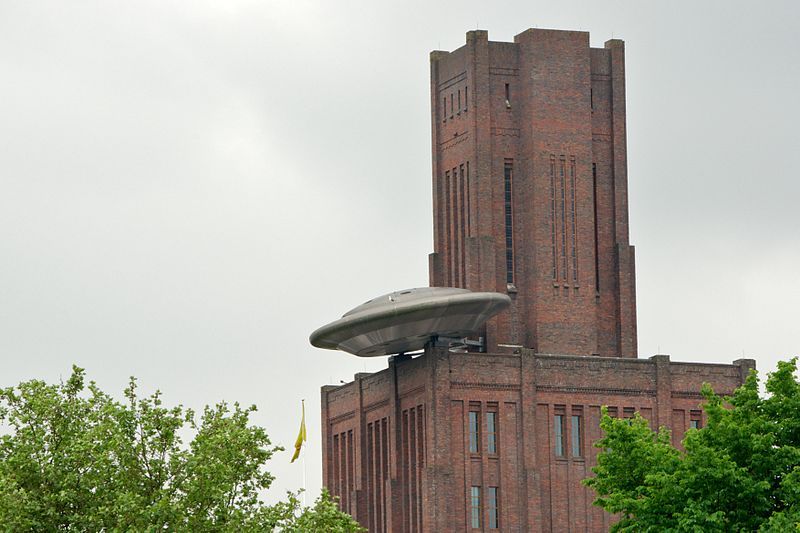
530,188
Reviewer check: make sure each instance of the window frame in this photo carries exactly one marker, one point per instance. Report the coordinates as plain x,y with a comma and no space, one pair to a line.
493,508
576,434
491,432
475,506
474,431
559,435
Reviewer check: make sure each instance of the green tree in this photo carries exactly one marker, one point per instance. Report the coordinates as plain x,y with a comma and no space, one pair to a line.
739,473
73,458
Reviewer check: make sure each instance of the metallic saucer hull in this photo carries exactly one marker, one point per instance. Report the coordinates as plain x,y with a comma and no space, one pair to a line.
407,320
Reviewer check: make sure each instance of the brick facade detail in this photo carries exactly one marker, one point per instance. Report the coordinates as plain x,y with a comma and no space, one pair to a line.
550,111
397,442
529,199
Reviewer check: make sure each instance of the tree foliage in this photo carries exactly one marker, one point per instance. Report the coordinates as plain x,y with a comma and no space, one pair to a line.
75,459
739,473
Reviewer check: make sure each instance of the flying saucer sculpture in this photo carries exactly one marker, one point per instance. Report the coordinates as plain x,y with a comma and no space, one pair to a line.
405,321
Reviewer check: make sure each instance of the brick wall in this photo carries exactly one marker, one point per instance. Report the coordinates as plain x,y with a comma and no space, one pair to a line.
551,109
416,471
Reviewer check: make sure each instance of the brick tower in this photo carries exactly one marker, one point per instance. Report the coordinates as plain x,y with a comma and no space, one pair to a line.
530,199
530,188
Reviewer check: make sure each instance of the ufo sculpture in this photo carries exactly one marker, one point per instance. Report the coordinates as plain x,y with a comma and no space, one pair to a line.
406,321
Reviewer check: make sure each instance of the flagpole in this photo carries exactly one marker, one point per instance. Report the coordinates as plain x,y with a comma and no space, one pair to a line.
304,480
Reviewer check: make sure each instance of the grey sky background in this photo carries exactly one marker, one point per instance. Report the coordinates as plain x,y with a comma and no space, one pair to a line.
188,189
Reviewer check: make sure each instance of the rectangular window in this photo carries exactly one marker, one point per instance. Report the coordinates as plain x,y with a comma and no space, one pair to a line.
447,213
563,219
695,419
451,105
475,507
574,220
596,239
508,170
612,412
474,435
576,436
494,514
462,225
466,193
459,101
627,412
508,94
466,104
444,109
491,432
558,422
553,213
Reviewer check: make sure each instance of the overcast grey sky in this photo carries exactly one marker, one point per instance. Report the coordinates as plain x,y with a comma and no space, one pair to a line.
188,189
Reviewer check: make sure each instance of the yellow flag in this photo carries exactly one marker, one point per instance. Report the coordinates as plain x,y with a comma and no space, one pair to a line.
301,437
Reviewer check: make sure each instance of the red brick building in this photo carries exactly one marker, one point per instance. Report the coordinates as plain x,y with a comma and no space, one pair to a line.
530,199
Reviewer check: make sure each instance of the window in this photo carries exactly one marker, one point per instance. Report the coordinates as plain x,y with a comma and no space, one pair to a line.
612,412
695,419
508,96
459,101
627,412
491,432
596,233
466,106
451,105
574,220
475,507
559,435
562,171
553,213
508,170
576,436
494,515
473,431
444,109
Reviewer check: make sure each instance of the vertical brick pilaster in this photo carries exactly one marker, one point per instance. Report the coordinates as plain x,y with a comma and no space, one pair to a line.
439,470
531,511
663,413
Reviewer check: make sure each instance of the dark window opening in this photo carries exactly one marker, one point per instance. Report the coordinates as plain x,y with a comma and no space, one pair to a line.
462,227
596,234
459,101
446,214
451,105
508,95
466,193
562,174
508,169
574,221
553,213
466,101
